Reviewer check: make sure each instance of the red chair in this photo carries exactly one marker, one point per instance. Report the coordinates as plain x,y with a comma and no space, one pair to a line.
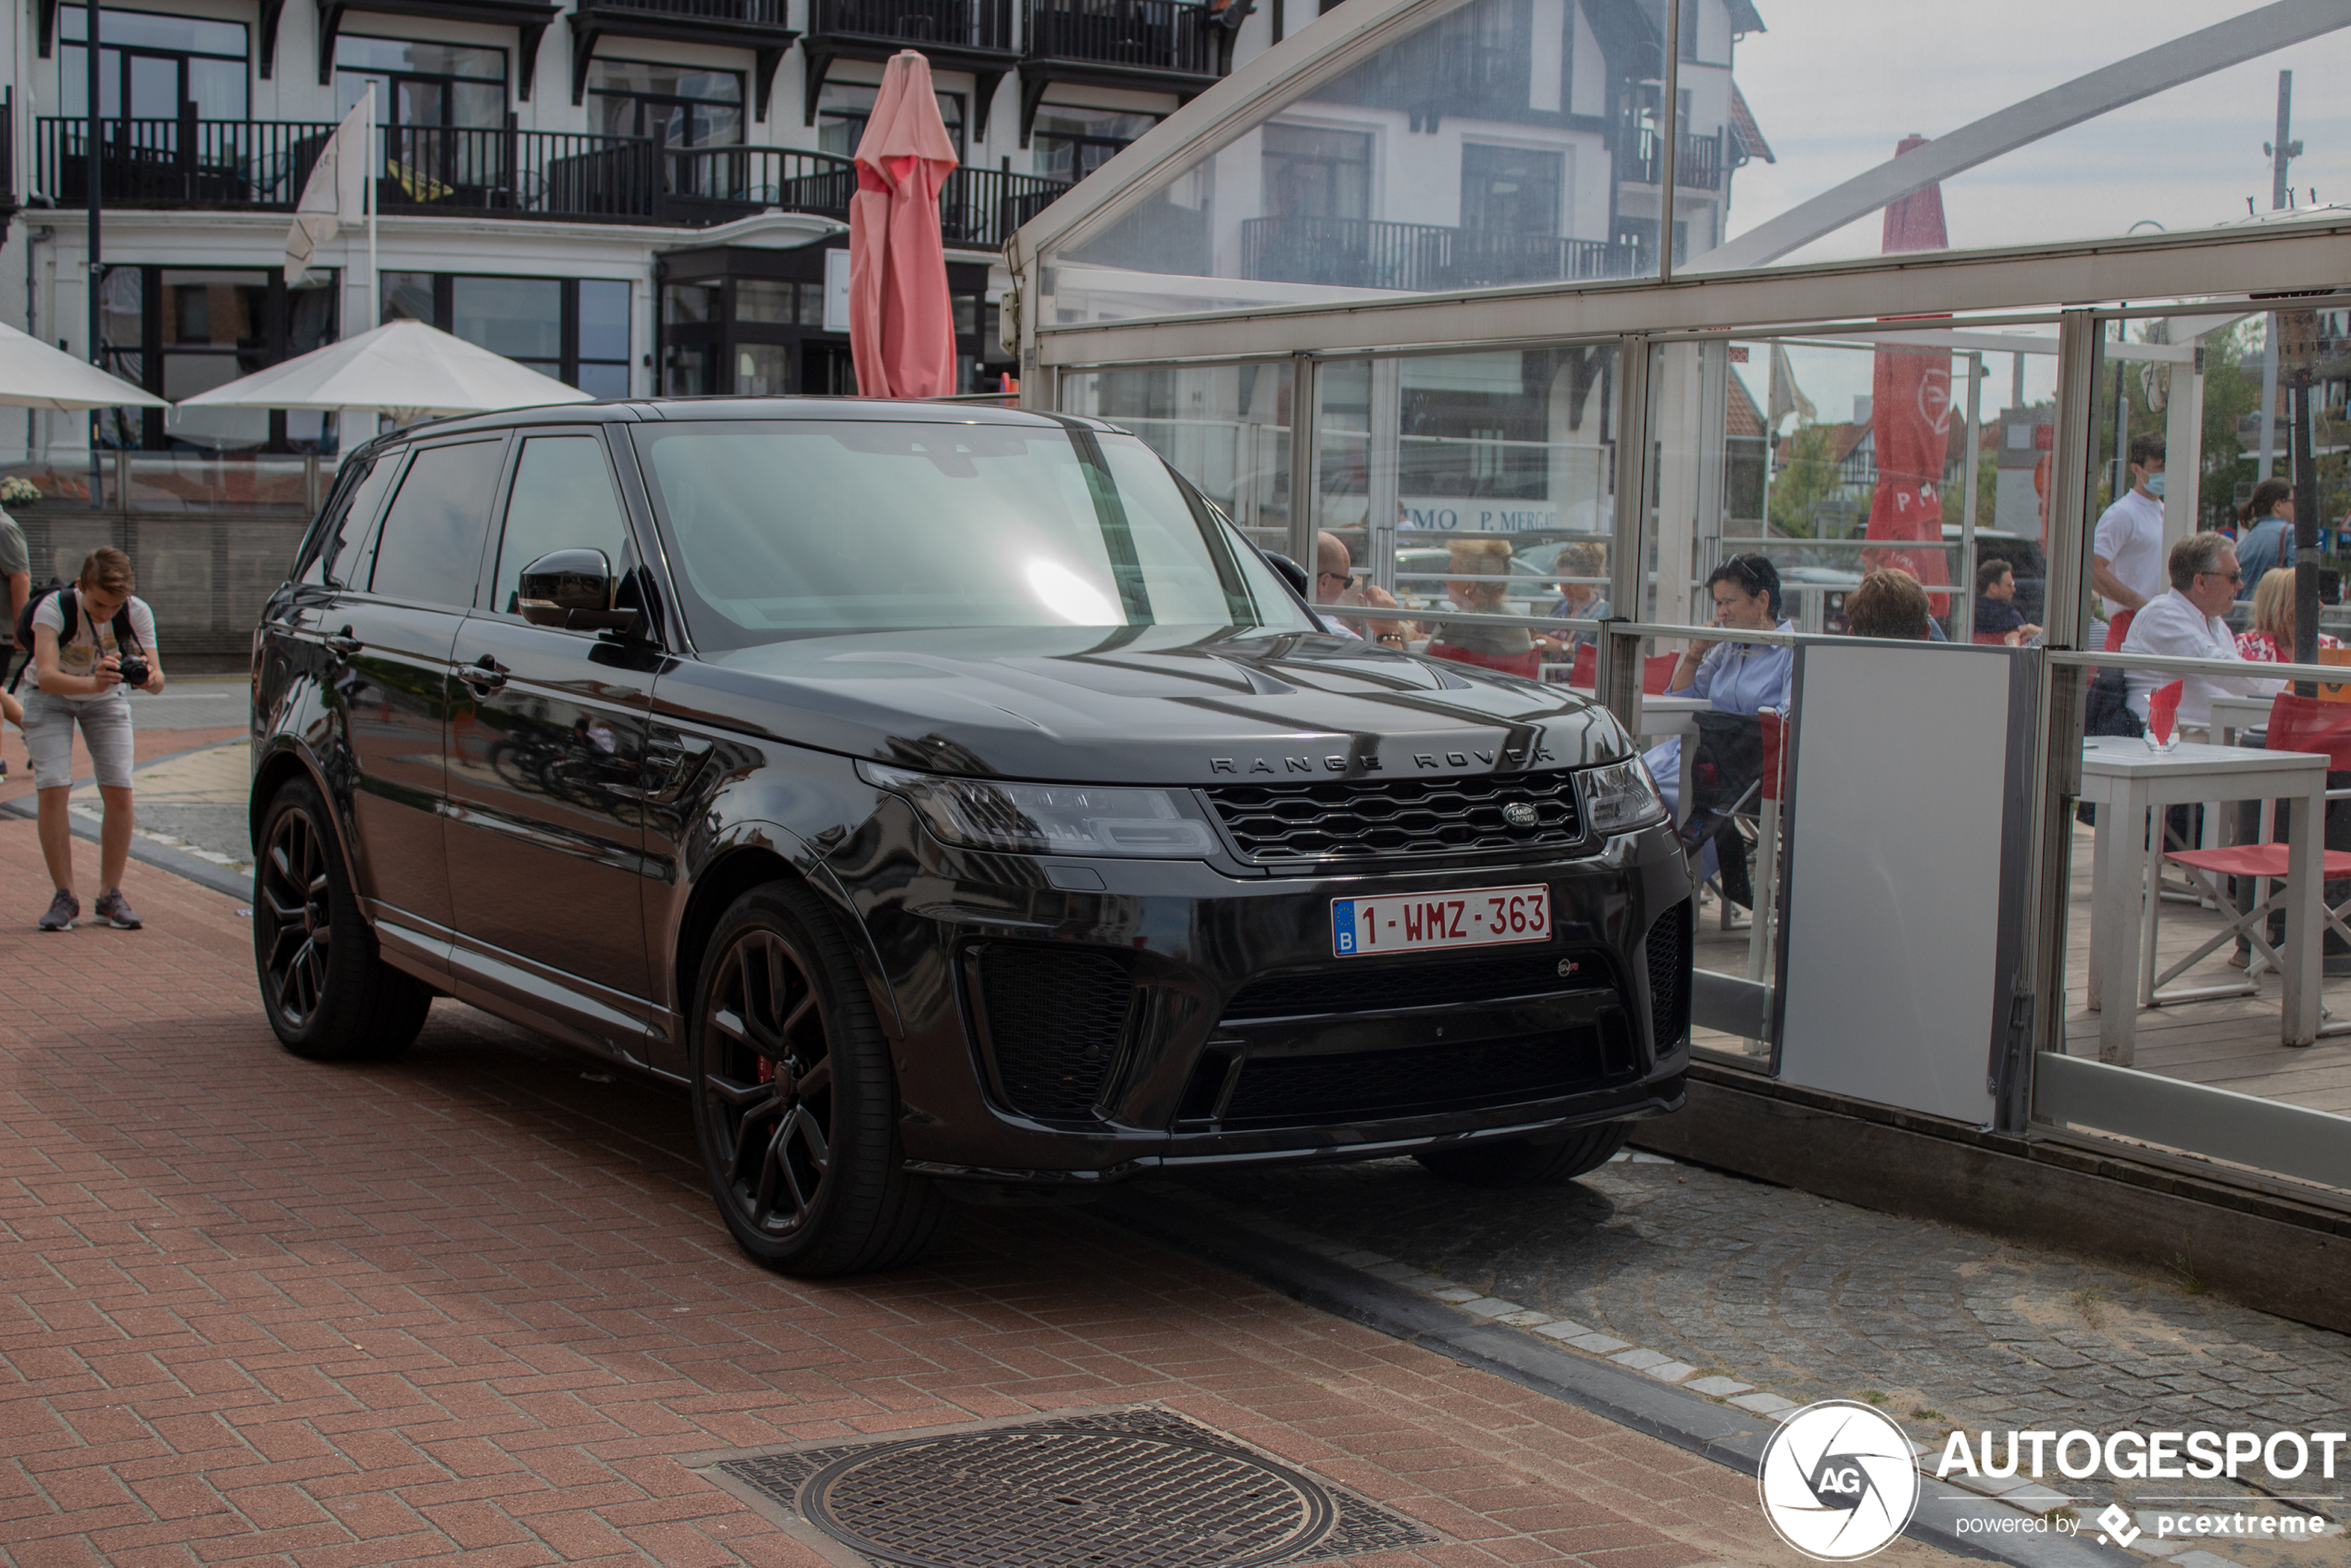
1657,673
1529,664
2296,724
1586,669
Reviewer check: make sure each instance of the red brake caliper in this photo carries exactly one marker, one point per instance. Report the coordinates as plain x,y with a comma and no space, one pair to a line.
766,1070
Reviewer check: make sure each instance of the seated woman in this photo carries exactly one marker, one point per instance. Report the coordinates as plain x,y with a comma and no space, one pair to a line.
1735,678
2269,641
1476,581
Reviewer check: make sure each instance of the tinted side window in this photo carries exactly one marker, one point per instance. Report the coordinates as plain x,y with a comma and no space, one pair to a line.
347,524
563,498
432,537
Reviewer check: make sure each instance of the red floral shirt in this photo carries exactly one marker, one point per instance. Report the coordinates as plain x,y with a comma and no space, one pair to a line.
2258,647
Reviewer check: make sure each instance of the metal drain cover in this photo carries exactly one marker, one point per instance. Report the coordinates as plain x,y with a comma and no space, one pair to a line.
1140,1489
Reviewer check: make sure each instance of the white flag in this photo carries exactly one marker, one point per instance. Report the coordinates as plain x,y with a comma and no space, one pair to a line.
336,191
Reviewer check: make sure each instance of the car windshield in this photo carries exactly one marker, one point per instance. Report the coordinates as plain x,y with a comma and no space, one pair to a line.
782,528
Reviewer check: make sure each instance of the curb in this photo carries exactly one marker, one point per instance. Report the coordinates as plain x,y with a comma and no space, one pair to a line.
1227,1234
145,850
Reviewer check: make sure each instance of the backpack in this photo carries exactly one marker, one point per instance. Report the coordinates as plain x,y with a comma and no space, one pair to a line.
70,612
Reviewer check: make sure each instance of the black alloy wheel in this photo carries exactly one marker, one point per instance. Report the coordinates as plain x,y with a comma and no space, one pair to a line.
328,993
795,1107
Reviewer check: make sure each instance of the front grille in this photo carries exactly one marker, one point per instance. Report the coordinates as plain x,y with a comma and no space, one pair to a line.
1055,1020
1423,1080
1366,986
1669,955
1377,818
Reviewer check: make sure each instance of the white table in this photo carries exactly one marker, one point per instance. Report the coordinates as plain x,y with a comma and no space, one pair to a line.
2233,715
2126,779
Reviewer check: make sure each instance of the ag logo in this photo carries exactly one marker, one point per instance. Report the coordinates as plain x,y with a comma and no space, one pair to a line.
1838,1481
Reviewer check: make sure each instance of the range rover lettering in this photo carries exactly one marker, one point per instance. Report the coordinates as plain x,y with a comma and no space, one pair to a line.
955,803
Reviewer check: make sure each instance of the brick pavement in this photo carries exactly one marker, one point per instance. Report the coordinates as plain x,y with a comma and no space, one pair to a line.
475,1302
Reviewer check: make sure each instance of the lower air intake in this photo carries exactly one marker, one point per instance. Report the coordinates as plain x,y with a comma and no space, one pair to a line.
1669,955
1055,1019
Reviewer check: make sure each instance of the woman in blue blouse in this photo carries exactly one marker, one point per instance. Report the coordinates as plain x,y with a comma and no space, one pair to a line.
1737,678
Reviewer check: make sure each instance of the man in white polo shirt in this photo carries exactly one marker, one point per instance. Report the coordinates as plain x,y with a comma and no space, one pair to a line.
2126,553
2185,623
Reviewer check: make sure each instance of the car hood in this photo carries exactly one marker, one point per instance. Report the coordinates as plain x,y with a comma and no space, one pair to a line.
1143,705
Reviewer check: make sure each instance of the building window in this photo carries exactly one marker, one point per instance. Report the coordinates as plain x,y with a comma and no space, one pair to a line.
690,108
844,108
150,67
1510,191
422,84
1315,173
573,328
178,331
1071,143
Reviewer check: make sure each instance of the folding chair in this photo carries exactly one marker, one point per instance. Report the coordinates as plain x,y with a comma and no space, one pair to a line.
1763,935
1723,769
2296,724
1657,673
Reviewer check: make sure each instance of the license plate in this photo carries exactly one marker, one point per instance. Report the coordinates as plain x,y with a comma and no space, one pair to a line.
1478,917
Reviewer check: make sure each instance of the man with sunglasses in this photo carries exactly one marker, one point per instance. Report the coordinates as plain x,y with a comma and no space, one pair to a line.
2185,622
1335,587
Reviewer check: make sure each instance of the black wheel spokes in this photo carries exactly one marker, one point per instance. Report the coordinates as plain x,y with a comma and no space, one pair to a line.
294,892
767,1082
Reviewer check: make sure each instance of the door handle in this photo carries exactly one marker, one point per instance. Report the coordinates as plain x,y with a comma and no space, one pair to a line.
485,674
342,644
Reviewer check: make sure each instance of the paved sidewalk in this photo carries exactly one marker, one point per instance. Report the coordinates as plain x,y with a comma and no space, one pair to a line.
475,1302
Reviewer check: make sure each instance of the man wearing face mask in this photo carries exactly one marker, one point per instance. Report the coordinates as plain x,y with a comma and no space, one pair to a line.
2126,554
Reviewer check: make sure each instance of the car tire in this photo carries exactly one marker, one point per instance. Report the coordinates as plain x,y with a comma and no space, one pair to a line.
795,1107
329,995
1522,1163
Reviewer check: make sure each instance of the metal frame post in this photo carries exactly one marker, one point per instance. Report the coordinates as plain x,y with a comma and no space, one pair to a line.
1305,435
1961,610
1620,673
2057,778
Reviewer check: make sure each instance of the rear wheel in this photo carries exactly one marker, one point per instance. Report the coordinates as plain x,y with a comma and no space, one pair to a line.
329,992
1521,1164
794,1105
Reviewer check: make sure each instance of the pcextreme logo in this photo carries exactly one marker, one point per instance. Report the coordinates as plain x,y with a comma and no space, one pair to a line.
1838,1481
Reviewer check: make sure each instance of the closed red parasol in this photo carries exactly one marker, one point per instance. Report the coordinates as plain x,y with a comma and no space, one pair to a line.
1910,415
901,321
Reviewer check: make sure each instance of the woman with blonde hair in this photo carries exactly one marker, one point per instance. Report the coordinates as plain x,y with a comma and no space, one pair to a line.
1476,581
2270,639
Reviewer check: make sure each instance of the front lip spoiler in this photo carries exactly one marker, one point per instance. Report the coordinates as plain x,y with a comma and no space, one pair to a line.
1660,1105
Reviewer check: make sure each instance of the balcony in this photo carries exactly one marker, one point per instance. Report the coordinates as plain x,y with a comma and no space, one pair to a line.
1174,47
1351,253
978,208
1640,158
972,35
757,25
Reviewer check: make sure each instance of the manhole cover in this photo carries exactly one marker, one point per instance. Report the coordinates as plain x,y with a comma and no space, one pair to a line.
1140,1489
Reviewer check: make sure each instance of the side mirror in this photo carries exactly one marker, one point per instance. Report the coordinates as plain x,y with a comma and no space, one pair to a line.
1293,574
574,590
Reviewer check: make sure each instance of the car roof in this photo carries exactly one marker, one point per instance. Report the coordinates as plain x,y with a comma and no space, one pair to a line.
667,410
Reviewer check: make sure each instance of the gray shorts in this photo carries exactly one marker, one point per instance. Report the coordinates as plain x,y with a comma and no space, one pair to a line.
106,729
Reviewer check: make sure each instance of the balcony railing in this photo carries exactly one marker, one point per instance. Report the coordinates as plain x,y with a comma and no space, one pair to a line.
1360,253
755,13
1176,36
191,162
1641,159
960,24
978,208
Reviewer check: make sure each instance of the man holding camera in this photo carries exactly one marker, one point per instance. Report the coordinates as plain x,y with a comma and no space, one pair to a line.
83,673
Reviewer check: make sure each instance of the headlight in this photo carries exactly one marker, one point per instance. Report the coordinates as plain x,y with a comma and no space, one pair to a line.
1621,797
1084,819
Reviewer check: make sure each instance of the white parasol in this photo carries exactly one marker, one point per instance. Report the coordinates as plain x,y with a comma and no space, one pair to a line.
33,375
406,368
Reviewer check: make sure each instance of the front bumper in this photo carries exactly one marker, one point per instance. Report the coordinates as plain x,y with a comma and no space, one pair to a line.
1169,1013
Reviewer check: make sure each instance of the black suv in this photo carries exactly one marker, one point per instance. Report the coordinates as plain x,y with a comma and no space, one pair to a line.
955,802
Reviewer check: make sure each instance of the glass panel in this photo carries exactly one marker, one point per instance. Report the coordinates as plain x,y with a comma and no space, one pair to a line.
432,536
604,319
222,309
563,500
356,52
145,30
1225,428
683,303
1069,143
1499,143
407,297
763,369
756,299
218,88
520,317
686,371
603,381
843,108
963,526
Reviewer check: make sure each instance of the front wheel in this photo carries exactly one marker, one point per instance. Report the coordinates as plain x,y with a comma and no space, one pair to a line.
1521,1164
794,1105
329,992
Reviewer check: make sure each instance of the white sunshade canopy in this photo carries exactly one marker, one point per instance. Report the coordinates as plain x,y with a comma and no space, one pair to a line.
33,375
403,367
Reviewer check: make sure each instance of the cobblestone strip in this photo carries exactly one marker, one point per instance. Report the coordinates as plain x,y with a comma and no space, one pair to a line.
2024,1495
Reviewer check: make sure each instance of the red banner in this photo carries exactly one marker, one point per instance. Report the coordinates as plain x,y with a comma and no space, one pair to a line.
1910,415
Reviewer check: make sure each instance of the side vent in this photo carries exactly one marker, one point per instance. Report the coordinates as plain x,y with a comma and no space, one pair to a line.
1055,1021
1669,957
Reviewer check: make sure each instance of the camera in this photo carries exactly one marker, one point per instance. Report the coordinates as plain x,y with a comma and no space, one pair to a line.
134,670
